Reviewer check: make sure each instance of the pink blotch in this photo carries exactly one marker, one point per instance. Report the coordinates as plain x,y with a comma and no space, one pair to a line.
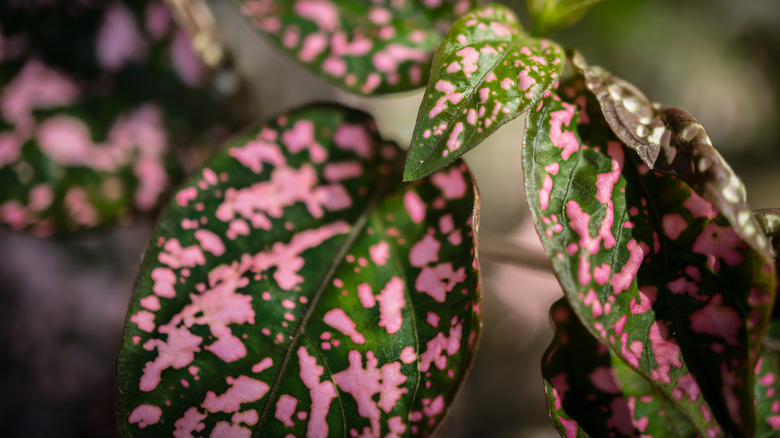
524,81
35,86
177,257
688,385
339,320
189,423
440,344
145,415
391,302
362,384
719,243
580,223
249,417
354,138
144,320
700,207
544,193
184,196
666,351
262,365
187,64
647,296
150,302
285,408
439,280
623,279
451,183
365,295
565,140
321,393
177,351
343,170
432,408
591,300
237,227
453,143
408,355
432,319
601,274
119,41
446,224
674,225
226,429
210,242
681,285
620,324
414,206
450,95
253,154
583,274
241,390
300,137
571,427
603,378
470,59
718,320
425,251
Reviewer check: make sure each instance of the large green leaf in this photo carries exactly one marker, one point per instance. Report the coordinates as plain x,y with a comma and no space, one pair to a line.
548,16
366,47
593,393
671,141
89,114
296,286
652,269
486,72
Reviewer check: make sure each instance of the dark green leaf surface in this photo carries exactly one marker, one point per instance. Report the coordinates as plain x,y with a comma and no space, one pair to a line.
591,392
365,47
653,270
486,72
671,141
296,286
89,113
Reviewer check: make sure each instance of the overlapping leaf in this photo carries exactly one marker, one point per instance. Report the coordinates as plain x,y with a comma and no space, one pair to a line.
671,141
591,392
296,286
366,47
652,269
486,72
89,113
767,389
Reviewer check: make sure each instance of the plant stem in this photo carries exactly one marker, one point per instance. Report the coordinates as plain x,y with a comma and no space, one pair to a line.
500,249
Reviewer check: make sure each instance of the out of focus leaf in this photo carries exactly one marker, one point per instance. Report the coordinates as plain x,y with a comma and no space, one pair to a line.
486,72
671,141
365,47
592,392
295,286
652,269
767,389
89,113
548,16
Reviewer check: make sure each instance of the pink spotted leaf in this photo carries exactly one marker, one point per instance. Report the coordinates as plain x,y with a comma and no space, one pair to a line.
365,47
88,130
486,73
593,393
295,286
767,389
653,270
673,142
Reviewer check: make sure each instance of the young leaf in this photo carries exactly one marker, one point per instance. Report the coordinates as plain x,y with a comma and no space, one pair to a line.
365,47
548,16
671,141
653,270
593,393
89,114
295,286
486,72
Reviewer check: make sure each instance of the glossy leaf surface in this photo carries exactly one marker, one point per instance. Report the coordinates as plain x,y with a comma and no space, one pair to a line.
366,47
653,270
486,72
89,114
671,141
591,392
296,286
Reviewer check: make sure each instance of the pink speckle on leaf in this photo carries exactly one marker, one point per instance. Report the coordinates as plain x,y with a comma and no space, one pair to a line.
524,81
177,351
674,225
118,40
354,138
432,319
253,154
436,347
144,320
544,193
666,352
425,251
414,206
379,253
262,365
451,183
450,95
719,244
565,140
210,242
177,257
145,415
625,278
339,320
437,281
391,302
300,137
718,320
366,296
322,393
164,279
408,355
603,378
243,389
285,408
362,384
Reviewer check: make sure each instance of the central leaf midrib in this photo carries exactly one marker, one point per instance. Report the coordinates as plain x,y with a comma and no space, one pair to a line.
353,235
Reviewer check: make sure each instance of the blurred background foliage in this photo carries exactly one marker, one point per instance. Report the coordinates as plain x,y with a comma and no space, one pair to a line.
62,302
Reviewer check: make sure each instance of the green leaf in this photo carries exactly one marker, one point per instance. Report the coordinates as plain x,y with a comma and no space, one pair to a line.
652,269
594,393
767,389
365,47
485,74
671,141
295,286
90,114
548,16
